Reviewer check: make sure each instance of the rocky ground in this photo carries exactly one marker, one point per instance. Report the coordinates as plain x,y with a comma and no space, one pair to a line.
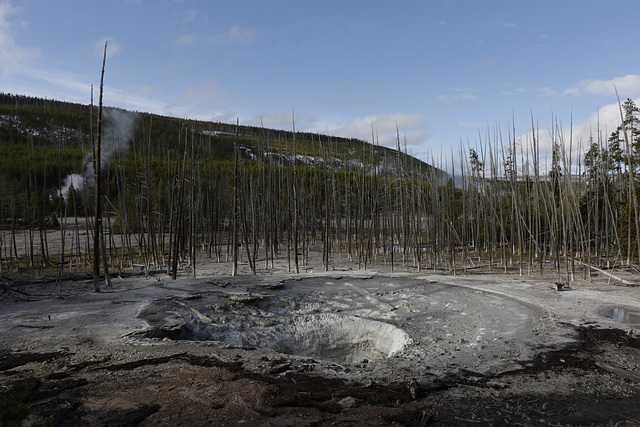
342,348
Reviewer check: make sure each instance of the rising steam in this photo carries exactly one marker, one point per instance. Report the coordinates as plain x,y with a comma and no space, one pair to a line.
118,126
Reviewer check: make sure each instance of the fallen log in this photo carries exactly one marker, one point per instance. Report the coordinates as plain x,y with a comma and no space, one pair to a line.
619,371
71,277
416,389
127,366
23,325
599,270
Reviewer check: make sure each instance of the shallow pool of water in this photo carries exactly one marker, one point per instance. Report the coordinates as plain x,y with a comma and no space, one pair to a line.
624,315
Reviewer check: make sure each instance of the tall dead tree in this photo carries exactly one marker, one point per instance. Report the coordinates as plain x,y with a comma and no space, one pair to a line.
98,183
295,197
234,271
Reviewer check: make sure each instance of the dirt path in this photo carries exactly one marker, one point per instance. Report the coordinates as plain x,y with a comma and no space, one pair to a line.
340,348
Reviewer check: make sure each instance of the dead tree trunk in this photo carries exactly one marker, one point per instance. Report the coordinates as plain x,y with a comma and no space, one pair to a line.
96,171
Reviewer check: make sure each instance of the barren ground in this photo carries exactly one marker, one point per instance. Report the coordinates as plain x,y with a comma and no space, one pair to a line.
346,347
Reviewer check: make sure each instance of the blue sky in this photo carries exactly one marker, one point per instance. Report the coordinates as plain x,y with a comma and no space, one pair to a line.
445,72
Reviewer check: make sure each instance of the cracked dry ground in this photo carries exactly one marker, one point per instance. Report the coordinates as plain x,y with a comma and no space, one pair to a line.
586,382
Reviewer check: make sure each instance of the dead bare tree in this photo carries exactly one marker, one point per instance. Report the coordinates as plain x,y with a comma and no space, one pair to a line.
98,184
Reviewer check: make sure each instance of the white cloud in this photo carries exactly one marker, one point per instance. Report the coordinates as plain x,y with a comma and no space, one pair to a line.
189,15
547,91
131,100
207,89
606,118
462,123
283,120
628,87
601,124
68,86
506,24
489,61
361,25
235,34
185,40
454,97
67,82
514,90
275,120
12,57
203,100
241,35
385,127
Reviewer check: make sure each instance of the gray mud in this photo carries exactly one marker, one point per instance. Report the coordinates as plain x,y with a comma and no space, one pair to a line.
381,326
335,348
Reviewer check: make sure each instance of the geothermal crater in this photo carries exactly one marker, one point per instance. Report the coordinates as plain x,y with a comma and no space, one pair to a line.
353,321
326,336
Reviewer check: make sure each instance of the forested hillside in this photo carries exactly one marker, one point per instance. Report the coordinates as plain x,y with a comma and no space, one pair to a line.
33,130
176,189
164,175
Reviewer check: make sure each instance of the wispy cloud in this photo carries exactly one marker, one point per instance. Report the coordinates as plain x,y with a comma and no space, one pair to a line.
189,15
506,24
628,87
12,57
279,120
68,86
235,34
362,25
547,91
131,100
204,99
489,61
185,40
385,127
470,124
515,91
67,81
461,89
455,97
